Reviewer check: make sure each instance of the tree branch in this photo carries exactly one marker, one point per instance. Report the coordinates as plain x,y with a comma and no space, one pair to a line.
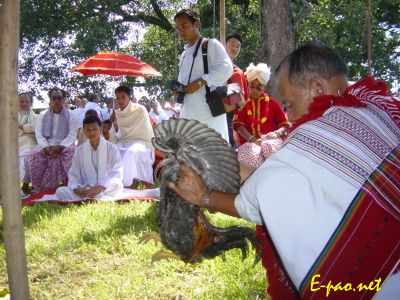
160,15
304,13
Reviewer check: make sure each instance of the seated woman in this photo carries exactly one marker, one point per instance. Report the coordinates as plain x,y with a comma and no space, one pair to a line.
132,128
56,130
96,171
261,123
26,138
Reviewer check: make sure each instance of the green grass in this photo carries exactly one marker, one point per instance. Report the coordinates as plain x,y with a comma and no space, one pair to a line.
92,252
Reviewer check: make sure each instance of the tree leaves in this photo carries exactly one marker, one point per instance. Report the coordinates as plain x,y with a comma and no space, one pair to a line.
56,35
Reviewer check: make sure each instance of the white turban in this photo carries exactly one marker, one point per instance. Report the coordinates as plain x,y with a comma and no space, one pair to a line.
261,72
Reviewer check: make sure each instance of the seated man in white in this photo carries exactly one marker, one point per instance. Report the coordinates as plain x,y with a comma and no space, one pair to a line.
26,138
96,171
132,128
55,130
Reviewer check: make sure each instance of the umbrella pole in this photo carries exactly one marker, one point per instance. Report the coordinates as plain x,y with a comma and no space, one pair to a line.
13,230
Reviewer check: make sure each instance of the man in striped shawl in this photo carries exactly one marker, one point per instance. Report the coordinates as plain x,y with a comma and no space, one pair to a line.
329,199
56,131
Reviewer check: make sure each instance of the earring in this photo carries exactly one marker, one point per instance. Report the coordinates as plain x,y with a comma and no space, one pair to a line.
338,93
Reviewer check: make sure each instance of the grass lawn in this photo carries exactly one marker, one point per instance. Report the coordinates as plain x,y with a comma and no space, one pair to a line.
91,251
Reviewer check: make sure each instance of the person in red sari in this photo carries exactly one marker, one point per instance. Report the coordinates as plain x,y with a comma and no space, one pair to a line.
261,123
233,46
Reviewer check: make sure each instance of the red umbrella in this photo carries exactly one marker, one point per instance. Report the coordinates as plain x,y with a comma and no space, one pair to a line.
115,64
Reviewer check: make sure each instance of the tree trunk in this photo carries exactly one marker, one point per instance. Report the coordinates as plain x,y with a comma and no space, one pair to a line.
277,32
13,230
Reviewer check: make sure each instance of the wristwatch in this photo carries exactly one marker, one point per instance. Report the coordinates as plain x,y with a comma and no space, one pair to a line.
206,199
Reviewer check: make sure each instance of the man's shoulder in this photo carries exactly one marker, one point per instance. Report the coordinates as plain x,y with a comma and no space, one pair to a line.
211,42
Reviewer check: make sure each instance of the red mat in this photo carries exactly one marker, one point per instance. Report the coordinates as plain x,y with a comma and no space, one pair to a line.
32,199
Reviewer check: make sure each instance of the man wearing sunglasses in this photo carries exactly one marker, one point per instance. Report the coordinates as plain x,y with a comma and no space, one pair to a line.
56,131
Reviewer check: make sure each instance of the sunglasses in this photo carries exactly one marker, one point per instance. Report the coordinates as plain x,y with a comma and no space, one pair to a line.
258,87
59,98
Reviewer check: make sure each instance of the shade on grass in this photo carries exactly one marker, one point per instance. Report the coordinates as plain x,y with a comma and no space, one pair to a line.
92,252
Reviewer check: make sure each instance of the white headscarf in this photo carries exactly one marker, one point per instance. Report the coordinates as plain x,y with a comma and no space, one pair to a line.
261,72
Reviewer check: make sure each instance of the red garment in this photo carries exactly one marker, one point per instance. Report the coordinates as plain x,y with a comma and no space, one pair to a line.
260,116
239,77
363,92
362,235
152,121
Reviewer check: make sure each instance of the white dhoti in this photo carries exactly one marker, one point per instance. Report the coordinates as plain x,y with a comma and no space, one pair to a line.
91,168
26,142
66,193
137,160
24,171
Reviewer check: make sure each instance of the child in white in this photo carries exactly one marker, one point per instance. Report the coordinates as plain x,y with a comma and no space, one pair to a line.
96,171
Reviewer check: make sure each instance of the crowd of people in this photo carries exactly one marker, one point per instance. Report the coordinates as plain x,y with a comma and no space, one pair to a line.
50,143
320,178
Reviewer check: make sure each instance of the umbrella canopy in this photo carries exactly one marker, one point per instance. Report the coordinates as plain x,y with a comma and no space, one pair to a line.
115,64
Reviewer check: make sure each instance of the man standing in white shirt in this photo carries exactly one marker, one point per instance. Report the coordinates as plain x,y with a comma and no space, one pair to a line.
191,71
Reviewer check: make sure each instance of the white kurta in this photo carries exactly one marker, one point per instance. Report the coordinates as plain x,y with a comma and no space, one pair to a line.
162,116
302,199
106,113
26,141
79,114
220,70
91,167
69,139
96,107
27,135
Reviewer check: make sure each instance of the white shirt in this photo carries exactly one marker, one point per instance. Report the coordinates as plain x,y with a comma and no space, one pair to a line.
302,196
69,139
78,176
220,70
96,107
106,113
160,117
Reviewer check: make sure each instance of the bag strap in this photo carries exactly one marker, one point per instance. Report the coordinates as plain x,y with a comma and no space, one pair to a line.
196,50
204,49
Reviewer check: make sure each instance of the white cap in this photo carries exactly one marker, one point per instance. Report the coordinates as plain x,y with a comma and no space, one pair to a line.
261,72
